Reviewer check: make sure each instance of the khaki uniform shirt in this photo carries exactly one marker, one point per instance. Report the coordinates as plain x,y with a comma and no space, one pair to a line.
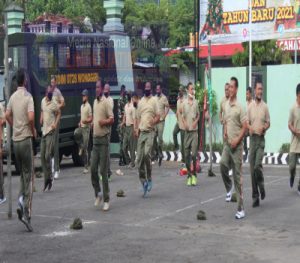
258,115
111,102
57,96
190,114
85,113
234,118
222,104
49,109
20,103
129,114
162,104
146,112
180,103
294,119
102,111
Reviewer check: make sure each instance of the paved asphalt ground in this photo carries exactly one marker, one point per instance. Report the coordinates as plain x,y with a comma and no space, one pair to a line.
160,228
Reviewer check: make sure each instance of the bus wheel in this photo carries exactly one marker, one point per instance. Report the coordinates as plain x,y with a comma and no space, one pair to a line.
77,160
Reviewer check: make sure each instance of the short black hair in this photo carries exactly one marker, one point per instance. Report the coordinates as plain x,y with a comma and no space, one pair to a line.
298,89
123,87
235,80
189,84
226,84
249,89
20,77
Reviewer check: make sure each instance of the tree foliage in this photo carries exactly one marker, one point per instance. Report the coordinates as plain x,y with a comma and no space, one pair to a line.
263,52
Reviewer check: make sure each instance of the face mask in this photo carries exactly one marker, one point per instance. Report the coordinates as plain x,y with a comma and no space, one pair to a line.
135,104
49,96
147,92
106,94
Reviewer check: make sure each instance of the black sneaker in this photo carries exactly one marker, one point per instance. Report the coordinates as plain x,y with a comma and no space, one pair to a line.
255,203
50,184
46,185
24,220
262,193
292,179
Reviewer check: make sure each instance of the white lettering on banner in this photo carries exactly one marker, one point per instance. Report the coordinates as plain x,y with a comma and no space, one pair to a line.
289,44
225,21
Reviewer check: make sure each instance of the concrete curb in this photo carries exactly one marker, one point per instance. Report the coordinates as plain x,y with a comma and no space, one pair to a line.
269,158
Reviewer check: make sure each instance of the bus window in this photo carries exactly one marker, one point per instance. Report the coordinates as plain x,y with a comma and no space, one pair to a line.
64,56
83,56
18,56
46,56
98,56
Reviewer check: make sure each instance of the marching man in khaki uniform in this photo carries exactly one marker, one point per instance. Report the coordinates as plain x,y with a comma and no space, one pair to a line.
294,126
128,139
147,118
163,109
20,115
82,133
190,119
258,124
50,115
106,93
103,120
179,127
60,101
222,111
235,126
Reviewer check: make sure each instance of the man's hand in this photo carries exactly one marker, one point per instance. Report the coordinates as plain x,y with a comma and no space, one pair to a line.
102,123
234,143
195,125
53,126
261,131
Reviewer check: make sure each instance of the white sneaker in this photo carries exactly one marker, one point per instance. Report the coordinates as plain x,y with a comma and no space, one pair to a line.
2,200
229,195
105,206
119,172
56,175
85,171
240,214
230,172
98,200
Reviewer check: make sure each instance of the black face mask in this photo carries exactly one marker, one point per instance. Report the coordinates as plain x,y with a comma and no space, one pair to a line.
106,94
50,96
135,104
147,92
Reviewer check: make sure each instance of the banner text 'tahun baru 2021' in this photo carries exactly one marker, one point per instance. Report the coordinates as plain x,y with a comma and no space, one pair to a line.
227,21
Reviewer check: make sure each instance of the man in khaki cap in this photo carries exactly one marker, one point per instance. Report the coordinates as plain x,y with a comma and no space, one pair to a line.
235,126
20,115
179,127
163,109
82,133
50,115
190,119
258,124
102,122
128,139
60,101
147,118
294,127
